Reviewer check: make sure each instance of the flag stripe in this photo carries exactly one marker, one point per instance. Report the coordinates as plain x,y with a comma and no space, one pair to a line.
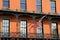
38,23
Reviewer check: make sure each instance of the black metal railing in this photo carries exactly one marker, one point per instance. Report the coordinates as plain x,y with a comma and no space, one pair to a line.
30,35
51,36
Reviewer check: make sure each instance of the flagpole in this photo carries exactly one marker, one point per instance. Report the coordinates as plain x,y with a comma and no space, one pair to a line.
42,18
38,23
41,23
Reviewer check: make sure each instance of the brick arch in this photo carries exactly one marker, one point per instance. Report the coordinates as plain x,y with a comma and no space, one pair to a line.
30,21
46,27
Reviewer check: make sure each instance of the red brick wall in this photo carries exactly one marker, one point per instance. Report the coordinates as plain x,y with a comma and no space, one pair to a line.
0,4
15,4
46,27
58,6
46,6
31,5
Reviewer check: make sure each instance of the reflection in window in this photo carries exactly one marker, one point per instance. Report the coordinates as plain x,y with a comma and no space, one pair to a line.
38,5
54,29
22,4
23,28
53,5
5,28
6,3
39,32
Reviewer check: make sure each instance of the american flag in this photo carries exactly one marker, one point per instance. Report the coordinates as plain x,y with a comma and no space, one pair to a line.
38,23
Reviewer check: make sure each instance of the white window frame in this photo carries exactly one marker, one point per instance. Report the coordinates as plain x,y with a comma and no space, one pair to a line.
5,27
23,28
40,28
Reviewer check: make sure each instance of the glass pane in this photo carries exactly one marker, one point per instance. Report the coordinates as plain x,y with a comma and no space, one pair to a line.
5,34
22,6
5,28
39,35
23,29
52,3
52,6
5,23
38,2
38,7
5,4
39,32
53,25
53,29
23,35
52,9
5,0
22,1
23,23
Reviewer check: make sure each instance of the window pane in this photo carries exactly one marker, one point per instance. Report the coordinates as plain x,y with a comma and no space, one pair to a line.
5,22
5,34
52,3
52,6
39,32
22,6
54,29
22,1
52,9
5,28
38,7
5,3
23,29
23,23
5,0
38,2
53,25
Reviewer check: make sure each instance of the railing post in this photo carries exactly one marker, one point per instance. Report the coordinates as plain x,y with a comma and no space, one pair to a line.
50,26
17,28
17,22
34,22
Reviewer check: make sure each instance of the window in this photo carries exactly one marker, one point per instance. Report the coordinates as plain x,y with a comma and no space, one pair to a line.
6,3
53,6
5,28
54,29
38,5
23,28
23,4
39,32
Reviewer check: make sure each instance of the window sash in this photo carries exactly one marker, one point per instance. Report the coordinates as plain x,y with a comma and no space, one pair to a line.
53,5
38,4
23,24
38,7
5,3
52,9
22,1
23,4
39,31
53,28
5,0
23,29
5,28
